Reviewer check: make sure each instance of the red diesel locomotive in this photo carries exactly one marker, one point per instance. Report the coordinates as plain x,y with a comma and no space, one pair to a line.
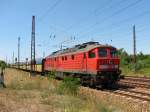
93,63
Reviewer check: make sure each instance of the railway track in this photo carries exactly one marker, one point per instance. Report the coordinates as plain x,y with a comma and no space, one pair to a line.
126,99
134,81
37,72
134,94
140,79
134,84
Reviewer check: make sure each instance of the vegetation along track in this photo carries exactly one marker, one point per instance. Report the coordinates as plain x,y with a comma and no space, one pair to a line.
144,96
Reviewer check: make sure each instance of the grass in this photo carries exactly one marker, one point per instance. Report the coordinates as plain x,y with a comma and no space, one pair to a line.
68,86
145,71
141,72
32,94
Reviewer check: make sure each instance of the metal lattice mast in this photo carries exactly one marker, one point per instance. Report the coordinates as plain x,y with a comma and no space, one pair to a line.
18,52
33,45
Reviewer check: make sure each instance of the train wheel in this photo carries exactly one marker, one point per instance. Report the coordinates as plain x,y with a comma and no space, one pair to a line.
92,83
82,80
115,85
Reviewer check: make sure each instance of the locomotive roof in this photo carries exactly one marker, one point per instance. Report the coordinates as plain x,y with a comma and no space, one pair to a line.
77,49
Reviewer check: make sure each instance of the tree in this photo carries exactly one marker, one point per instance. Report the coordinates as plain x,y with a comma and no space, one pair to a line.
125,57
2,65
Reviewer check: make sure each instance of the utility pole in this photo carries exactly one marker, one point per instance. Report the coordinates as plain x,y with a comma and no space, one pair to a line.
33,46
13,56
6,60
18,52
134,48
15,60
26,63
61,46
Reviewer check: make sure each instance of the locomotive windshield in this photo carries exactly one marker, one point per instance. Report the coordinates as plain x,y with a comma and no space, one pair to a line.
113,53
102,52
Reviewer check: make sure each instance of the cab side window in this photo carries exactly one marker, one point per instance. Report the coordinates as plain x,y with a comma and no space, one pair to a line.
92,54
102,52
72,57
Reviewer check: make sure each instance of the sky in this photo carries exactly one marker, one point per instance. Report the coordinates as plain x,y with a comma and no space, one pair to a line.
71,22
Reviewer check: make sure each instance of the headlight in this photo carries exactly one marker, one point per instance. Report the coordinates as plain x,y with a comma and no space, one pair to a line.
109,66
116,66
104,66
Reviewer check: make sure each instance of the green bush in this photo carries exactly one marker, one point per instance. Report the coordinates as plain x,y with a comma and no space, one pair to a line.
2,65
69,86
127,64
51,75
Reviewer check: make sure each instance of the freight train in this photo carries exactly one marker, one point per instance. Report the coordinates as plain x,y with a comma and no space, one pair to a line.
95,64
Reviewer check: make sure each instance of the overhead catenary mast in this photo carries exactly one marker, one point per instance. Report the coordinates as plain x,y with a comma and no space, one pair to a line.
13,58
18,52
33,46
134,47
